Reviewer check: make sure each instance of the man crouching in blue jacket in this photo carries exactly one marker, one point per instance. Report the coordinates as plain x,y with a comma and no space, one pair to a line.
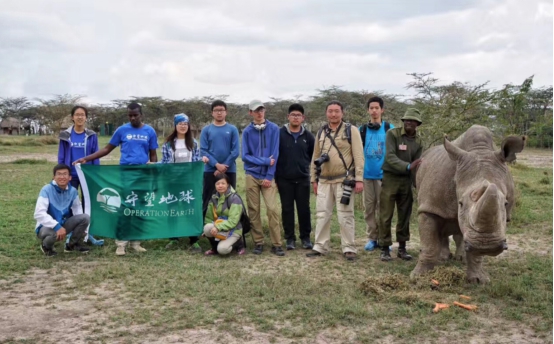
59,212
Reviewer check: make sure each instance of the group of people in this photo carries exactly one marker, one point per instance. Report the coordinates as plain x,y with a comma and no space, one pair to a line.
376,159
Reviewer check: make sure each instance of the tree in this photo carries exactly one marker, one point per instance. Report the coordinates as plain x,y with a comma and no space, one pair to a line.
53,112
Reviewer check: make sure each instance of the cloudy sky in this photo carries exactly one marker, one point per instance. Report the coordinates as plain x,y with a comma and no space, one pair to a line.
259,49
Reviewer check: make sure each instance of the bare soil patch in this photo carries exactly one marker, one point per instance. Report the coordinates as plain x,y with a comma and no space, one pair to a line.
535,158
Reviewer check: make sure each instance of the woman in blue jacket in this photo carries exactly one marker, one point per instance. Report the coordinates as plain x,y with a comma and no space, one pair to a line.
180,147
77,142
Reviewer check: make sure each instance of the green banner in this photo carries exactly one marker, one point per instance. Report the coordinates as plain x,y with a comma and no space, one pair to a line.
140,202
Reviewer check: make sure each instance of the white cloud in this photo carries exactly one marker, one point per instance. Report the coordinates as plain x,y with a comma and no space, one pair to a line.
250,49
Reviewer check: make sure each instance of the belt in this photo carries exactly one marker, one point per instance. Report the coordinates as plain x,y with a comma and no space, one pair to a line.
337,176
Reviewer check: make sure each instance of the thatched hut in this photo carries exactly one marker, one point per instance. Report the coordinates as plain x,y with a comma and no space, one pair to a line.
10,126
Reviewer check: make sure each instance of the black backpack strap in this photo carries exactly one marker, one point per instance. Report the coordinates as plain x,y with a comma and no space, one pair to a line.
348,131
363,130
387,126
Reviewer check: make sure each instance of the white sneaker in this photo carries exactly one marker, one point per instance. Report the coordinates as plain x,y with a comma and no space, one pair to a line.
120,251
137,247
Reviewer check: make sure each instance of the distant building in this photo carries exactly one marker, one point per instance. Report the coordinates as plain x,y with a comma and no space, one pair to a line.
10,126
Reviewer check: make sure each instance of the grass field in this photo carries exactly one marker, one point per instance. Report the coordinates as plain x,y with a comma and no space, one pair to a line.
175,296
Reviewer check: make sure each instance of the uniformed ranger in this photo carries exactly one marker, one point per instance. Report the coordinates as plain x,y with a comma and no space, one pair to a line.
403,154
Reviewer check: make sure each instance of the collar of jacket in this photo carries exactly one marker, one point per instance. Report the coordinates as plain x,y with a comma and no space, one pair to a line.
403,133
288,129
65,135
57,188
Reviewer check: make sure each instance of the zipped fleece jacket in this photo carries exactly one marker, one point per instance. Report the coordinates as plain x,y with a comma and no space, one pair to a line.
258,148
64,149
396,160
294,155
55,205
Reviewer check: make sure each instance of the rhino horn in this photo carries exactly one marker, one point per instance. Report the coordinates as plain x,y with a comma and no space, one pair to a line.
510,146
454,152
487,209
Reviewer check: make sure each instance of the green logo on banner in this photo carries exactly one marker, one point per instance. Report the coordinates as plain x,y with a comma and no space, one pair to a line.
109,200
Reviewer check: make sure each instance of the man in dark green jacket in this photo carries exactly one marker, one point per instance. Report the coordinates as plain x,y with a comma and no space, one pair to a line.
403,153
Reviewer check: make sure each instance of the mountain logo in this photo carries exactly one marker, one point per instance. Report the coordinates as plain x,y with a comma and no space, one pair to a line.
109,200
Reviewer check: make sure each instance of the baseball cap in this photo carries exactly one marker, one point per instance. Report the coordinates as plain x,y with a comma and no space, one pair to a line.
255,104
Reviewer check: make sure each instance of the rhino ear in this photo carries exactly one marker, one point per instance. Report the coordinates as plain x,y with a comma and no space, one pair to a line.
454,152
510,146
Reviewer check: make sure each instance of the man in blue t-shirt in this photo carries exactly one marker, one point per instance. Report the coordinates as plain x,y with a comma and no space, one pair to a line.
138,143
373,138
219,147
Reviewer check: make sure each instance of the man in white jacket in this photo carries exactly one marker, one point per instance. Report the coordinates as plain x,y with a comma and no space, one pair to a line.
59,212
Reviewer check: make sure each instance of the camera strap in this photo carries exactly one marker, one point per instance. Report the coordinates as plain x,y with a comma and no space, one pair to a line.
332,139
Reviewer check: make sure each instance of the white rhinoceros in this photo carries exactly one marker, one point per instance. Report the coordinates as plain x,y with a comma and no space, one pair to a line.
465,189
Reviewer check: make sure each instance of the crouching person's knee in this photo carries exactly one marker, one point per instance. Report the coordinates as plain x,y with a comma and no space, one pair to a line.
224,249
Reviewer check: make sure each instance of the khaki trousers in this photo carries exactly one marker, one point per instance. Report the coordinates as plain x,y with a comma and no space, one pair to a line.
124,243
253,190
224,246
372,191
328,196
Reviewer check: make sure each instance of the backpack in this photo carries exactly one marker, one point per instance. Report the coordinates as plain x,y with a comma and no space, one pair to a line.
363,131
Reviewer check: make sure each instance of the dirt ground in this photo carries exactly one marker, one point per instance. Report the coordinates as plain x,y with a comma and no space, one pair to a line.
43,306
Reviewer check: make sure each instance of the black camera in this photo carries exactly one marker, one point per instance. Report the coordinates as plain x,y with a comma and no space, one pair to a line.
321,160
348,184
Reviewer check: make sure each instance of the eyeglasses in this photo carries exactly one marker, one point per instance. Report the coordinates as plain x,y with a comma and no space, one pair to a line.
183,124
62,174
218,110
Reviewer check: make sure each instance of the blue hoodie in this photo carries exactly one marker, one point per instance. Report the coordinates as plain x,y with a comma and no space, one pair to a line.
258,148
55,205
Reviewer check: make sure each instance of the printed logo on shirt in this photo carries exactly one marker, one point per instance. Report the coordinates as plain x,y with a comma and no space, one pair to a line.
137,137
78,144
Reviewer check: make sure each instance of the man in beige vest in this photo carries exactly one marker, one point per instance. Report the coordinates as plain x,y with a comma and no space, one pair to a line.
336,172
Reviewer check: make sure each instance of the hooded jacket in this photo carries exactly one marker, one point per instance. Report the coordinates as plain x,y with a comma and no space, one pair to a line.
64,149
294,155
55,205
230,215
258,148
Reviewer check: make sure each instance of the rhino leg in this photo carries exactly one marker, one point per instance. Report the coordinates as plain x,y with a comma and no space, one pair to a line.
475,272
429,233
445,253
460,254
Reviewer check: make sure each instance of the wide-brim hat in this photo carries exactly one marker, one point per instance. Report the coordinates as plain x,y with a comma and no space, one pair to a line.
412,114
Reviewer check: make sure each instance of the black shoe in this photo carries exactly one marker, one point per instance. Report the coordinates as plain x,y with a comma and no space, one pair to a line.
385,255
48,252
278,251
403,254
307,244
258,249
314,254
350,256
76,248
291,244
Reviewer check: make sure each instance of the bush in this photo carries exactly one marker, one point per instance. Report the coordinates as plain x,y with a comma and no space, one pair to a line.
30,161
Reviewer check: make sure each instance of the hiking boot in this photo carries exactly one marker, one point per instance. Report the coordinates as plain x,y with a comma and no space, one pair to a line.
278,251
75,248
313,254
136,246
195,248
403,254
291,244
210,252
371,245
350,256
258,249
48,252
120,251
385,255
307,244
